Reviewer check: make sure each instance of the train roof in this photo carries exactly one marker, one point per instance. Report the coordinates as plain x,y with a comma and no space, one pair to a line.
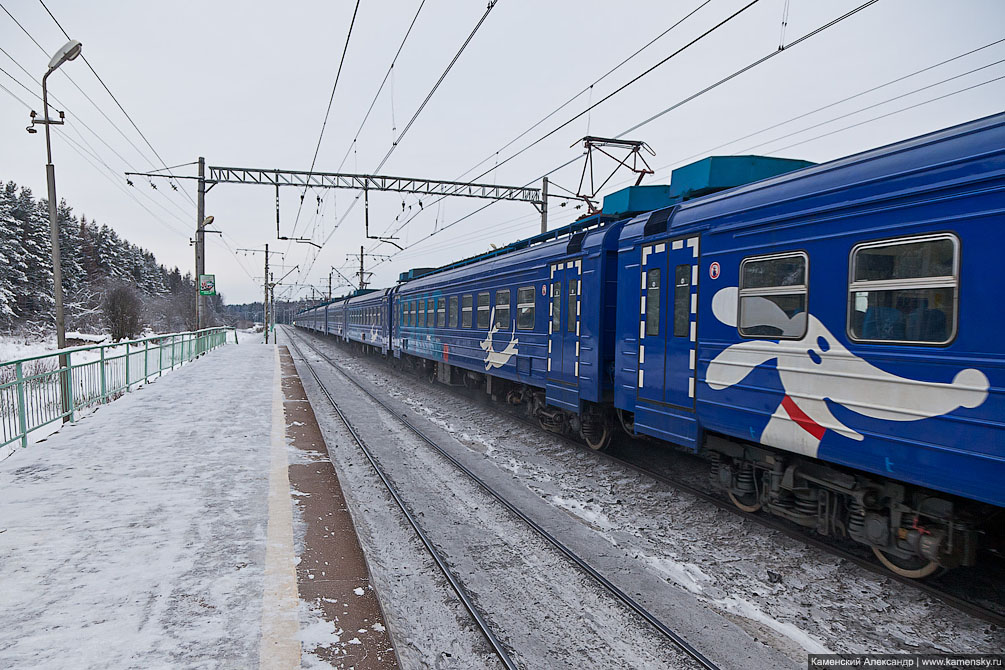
845,180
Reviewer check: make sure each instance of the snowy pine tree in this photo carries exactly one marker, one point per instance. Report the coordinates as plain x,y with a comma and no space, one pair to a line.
92,258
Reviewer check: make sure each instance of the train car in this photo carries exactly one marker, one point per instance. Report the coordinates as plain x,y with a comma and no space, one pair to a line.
367,319
336,318
311,319
829,338
533,321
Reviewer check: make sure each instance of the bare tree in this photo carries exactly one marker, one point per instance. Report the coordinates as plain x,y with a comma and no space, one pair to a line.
122,307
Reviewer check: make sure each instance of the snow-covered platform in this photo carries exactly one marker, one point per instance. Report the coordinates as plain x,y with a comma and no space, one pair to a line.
177,527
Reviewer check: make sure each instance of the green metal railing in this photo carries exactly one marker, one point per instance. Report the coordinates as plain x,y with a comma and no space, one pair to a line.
31,389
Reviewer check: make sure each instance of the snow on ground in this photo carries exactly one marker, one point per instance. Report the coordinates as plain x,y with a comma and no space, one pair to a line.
135,538
14,348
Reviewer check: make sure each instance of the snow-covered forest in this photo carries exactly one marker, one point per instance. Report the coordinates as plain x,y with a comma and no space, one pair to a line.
94,259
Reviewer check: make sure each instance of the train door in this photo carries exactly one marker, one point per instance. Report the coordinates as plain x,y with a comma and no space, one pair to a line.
682,322
668,322
652,324
563,328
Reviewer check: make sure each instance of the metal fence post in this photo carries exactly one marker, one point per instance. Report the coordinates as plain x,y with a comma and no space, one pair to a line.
160,357
104,388
68,388
127,367
146,360
22,411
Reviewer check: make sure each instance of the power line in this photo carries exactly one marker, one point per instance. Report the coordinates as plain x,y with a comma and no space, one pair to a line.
324,123
93,151
396,141
586,89
381,87
75,85
562,106
742,70
89,99
119,104
874,105
834,104
751,66
889,114
408,126
79,150
14,95
600,102
631,81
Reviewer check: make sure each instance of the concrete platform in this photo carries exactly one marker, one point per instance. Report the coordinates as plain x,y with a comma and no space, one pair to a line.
196,522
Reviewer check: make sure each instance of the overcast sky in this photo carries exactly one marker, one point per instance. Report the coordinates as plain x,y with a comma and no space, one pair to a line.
246,83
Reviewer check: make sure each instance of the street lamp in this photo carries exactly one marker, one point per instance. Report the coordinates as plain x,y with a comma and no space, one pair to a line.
69,51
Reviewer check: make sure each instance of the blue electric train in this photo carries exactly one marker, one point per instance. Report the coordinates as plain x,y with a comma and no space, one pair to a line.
824,334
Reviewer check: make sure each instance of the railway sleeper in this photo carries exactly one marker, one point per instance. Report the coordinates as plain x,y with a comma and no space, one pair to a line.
912,531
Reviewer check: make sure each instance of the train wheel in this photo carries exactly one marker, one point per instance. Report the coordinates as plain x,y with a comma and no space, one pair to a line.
628,425
917,568
749,508
599,437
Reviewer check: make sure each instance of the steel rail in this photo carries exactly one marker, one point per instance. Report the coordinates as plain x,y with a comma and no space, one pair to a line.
462,594
632,604
954,601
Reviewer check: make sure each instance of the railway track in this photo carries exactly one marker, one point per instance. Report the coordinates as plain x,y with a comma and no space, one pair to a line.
959,603
501,652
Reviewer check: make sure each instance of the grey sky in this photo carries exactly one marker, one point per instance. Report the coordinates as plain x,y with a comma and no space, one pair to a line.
246,83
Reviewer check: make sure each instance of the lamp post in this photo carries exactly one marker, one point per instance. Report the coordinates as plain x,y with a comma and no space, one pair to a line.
69,51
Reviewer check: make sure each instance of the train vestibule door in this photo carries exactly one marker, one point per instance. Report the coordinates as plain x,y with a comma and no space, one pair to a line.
668,322
564,311
682,322
652,323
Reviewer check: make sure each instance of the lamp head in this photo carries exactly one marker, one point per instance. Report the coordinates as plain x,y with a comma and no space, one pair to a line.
69,51
208,220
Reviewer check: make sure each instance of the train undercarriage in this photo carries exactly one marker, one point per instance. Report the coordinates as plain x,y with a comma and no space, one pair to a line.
914,532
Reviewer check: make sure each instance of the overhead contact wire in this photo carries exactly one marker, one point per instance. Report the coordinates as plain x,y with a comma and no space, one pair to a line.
324,124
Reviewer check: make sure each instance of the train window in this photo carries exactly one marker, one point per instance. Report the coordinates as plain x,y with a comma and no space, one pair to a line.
423,312
773,295
653,286
483,310
525,308
682,301
904,290
412,317
572,319
452,311
556,307
441,312
502,309
466,311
